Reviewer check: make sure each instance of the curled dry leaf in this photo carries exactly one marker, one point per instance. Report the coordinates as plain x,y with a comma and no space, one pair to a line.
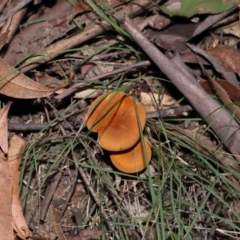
15,84
16,149
4,127
6,231
152,101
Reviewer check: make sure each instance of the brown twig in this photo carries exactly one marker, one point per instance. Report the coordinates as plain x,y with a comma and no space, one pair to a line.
73,186
48,197
13,10
32,127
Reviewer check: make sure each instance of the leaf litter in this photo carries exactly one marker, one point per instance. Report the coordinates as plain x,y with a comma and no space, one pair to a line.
67,54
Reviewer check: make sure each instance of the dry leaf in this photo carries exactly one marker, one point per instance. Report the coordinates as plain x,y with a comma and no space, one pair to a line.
232,28
6,231
224,97
15,84
172,37
228,57
16,149
4,127
222,94
232,90
150,100
46,80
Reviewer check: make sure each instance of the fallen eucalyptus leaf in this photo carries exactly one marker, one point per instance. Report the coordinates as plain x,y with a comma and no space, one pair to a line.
15,84
6,231
16,149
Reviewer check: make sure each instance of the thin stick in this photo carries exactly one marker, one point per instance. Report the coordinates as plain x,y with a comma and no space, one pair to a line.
13,10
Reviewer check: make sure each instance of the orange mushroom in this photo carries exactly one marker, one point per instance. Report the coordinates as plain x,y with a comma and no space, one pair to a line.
132,160
102,110
115,118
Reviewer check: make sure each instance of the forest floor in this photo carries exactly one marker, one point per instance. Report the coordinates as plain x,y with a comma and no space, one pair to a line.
175,66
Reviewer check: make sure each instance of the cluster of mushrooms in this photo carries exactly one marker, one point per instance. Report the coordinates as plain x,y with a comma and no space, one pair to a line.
119,119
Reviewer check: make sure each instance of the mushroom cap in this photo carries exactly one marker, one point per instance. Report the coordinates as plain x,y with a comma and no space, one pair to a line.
132,160
123,130
115,118
102,110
